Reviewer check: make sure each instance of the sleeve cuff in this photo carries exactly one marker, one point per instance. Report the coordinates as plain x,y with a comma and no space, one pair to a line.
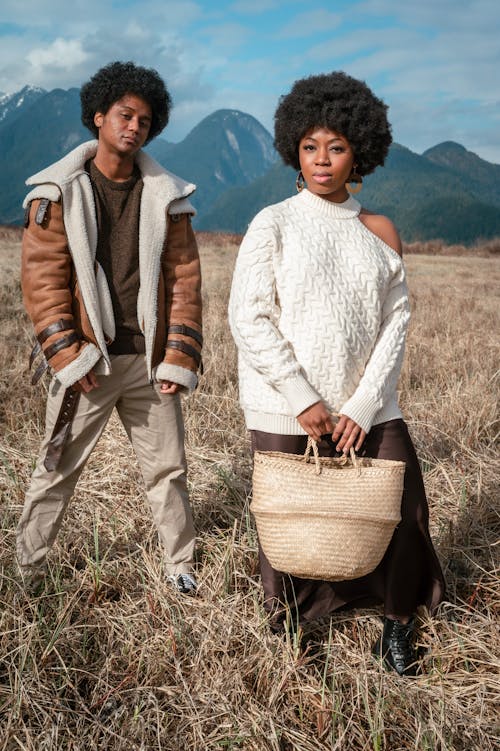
361,408
80,366
176,374
299,393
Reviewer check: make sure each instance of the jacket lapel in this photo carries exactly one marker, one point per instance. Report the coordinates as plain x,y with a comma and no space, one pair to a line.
160,189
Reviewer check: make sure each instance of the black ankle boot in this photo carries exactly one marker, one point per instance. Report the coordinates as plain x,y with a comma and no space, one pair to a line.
395,647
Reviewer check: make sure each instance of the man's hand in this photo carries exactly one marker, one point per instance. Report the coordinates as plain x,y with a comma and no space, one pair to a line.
87,383
169,387
316,420
347,433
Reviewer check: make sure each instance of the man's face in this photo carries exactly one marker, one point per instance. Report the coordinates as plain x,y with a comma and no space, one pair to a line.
124,128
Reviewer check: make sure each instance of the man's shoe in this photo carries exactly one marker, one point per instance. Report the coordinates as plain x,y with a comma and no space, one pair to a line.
395,647
184,583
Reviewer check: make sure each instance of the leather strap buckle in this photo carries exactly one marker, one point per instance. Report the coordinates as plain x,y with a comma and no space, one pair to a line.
181,328
41,211
64,324
186,348
62,343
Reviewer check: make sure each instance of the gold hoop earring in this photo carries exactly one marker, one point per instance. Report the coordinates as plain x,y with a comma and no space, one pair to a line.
356,179
300,182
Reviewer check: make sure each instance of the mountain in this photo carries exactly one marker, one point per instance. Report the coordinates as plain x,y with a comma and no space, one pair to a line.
425,198
428,199
482,176
13,105
228,148
447,192
160,149
45,128
234,209
225,150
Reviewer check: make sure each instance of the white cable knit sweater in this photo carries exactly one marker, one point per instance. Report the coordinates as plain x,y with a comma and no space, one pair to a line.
318,310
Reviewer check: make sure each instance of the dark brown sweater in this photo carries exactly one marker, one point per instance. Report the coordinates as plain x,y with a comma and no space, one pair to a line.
117,213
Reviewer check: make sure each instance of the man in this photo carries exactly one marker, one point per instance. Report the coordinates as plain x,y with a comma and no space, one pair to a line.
111,281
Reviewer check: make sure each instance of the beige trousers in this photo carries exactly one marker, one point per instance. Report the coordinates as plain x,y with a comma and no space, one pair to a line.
154,425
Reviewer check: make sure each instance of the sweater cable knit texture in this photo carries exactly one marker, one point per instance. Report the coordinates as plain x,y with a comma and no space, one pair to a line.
318,310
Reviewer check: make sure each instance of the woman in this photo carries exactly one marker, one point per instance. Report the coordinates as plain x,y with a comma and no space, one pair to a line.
319,312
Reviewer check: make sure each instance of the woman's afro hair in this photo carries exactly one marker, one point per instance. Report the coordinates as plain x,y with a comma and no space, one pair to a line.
117,79
340,103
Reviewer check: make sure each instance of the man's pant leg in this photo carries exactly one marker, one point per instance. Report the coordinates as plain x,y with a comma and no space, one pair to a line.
50,492
155,426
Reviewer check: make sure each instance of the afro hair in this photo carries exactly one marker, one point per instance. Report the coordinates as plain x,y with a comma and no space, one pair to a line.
340,103
117,79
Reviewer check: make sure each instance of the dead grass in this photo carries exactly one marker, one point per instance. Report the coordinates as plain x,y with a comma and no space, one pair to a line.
108,658
481,248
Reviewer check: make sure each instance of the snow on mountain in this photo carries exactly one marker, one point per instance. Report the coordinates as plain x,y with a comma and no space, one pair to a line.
11,105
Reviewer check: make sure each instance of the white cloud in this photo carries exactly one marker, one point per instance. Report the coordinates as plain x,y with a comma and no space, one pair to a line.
435,68
135,31
425,59
66,52
66,62
90,14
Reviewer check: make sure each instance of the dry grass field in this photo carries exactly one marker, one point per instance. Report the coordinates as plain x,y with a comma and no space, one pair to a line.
107,656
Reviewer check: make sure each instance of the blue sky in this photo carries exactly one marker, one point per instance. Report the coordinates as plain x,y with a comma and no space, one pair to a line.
434,62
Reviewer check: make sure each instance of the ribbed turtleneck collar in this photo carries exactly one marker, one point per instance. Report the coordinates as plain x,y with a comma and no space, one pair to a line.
346,210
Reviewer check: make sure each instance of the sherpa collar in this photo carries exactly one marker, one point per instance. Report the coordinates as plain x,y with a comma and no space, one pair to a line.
161,181
162,192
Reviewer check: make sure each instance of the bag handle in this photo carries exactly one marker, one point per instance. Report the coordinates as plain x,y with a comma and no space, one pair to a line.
313,446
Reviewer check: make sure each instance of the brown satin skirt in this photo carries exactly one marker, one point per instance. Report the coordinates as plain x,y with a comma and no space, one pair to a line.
409,574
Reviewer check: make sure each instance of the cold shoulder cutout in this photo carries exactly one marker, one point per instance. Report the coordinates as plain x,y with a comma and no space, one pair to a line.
382,227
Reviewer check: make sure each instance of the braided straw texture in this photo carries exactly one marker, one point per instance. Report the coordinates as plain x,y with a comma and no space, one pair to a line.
327,518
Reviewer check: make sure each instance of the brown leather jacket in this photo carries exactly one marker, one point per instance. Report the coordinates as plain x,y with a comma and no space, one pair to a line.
52,294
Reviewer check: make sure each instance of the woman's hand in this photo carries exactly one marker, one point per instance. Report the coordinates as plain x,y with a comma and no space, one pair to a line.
316,420
347,433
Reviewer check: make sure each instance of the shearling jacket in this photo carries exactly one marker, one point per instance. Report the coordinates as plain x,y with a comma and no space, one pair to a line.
62,281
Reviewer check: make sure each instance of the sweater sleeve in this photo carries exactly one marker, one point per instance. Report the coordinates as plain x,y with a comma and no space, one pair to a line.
382,370
254,317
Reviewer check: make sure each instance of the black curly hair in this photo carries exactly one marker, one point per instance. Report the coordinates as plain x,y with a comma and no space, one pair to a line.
112,82
340,103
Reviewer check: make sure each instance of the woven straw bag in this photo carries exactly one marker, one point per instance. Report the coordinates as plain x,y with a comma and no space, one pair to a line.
326,519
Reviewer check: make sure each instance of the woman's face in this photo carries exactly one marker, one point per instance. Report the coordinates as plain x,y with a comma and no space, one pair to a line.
326,160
